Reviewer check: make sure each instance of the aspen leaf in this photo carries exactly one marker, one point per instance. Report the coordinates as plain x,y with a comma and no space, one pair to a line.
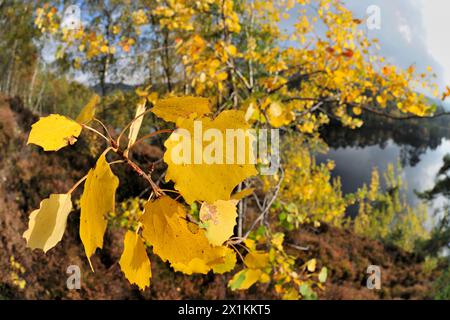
137,122
220,219
242,194
291,294
47,224
198,180
225,263
279,115
257,260
196,265
134,261
171,109
54,132
229,262
88,111
311,265
244,279
323,275
165,228
97,201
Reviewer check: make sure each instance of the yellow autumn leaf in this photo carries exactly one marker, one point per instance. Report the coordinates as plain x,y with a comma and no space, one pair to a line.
196,265
134,261
257,260
229,261
54,132
219,219
47,224
357,111
242,194
88,111
97,201
279,115
221,76
210,170
137,122
232,50
171,109
165,228
311,265
244,279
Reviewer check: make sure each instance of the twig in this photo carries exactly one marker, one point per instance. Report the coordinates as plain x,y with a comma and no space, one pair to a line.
96,131
267,208
77,184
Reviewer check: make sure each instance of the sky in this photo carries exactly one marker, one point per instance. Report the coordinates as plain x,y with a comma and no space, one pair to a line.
412,31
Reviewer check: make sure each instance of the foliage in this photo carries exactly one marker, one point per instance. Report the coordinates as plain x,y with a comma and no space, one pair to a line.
229,65
385,215
440,234
442,286
307,193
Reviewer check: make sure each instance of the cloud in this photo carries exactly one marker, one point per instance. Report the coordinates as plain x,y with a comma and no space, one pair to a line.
403,34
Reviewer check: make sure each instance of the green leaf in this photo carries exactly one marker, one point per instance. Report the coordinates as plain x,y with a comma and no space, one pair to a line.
323,275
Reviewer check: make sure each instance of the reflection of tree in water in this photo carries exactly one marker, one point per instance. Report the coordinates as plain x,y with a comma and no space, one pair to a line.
440,235
413,136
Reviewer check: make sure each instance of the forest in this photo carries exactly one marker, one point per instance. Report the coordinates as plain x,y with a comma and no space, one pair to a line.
217,149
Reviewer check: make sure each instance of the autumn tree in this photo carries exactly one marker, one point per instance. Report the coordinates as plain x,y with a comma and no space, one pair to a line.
236,68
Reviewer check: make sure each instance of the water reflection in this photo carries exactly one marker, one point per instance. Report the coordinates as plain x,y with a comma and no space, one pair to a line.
418,144
354,165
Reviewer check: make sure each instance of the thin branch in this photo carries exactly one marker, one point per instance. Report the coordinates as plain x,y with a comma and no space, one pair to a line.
96,131
77,184
267,207
104,127
150,135
129,125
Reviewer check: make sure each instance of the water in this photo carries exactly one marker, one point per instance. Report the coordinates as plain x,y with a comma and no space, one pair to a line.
354,165
419,146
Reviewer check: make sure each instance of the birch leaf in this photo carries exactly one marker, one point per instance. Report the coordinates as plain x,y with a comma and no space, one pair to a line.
171,109
47,224
242,194
137,123
88,111
97,201
220,219
165,228
54,132
244,279
229,262
213,179
257,260
134,261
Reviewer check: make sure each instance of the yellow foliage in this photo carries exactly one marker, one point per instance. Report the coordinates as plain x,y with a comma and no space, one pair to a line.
47,224
134,261
97,201
54,132
88,111
219,219
165,228
172,109
257,260
217,180
244,279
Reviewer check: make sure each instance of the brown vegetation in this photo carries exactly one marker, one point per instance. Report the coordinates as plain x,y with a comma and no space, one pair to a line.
28,175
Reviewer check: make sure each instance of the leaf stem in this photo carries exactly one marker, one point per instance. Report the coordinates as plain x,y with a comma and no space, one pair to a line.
96,131
129,125
77,184
150,135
